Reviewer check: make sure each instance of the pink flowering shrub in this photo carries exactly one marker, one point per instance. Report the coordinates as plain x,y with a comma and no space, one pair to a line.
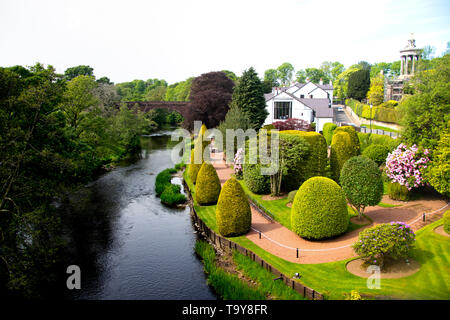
404,165
389,240
238,160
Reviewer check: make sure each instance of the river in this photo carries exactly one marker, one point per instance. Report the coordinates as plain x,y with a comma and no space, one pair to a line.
126,243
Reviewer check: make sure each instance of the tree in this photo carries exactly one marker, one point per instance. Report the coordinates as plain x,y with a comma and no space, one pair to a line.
209,99
271,77
231,75
104,80
315,75
426,114
81,70
375,95
359,84
362,183
248,95
300,76
235,119
341,83
285,73
438,173
78,98
293,149
331,70
207,187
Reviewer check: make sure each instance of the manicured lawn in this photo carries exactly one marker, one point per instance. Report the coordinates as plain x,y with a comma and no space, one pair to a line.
334,281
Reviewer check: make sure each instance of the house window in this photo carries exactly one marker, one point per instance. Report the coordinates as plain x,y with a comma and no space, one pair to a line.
310,96
283,110
302,96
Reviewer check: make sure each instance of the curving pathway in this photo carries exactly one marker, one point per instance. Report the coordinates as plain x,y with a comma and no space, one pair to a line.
282,242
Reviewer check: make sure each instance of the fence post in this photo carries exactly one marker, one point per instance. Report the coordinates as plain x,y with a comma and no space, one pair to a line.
297,252
260,234
424,216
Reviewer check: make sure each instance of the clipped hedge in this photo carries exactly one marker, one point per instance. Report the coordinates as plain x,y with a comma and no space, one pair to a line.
377,153
319,209
356,149
340,152
397,191
197,153
254,180
233,214
328,130
447,221
193,168
386,112
316,163
368,139
207,188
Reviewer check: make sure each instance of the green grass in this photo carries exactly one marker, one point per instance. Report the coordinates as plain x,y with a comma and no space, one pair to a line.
388,205
379,127
277,289
334,281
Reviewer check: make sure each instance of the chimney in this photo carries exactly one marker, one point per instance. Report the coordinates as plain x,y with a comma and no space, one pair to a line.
321,81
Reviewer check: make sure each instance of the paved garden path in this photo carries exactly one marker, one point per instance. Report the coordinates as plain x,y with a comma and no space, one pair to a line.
282,242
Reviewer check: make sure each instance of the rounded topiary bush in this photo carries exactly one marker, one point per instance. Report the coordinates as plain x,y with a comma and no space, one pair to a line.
254,180
319,209
355,147
376,152
361,182
291,196
447,221
233,214
339,153
207,188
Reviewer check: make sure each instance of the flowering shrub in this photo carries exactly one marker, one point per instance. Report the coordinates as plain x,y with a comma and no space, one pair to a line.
238,163
404,166
292,124
390,240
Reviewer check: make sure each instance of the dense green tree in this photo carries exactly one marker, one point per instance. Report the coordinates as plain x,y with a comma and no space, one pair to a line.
235,119
375,95
104,80
271,77
248,95
231,75
315,75
426,114
300,76
81,70
358,84
331,69
285,73
341,83
438,173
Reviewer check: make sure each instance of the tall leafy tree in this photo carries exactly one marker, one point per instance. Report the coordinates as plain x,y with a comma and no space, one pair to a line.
300,76
358,84
248,95
209,99
375,95
81,70
315,75
426,114
285,73
271,77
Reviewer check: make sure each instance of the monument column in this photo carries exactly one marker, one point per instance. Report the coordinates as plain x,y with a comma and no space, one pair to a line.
401,64
406,59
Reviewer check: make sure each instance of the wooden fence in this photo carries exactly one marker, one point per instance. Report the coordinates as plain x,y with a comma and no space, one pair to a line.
228,245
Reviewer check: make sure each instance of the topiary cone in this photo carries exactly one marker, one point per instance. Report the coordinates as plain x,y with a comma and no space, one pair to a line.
194,168
319,209
233,214
207,188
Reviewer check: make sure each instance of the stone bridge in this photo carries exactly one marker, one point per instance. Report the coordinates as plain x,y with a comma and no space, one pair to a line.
146,106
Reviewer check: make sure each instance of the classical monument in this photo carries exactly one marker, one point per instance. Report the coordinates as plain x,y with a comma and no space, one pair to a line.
393,88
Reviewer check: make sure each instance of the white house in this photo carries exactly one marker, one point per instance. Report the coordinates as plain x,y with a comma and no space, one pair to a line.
307,101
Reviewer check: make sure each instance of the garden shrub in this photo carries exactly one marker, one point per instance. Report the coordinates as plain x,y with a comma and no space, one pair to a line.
314,165
193,168
397,191
438,173
292,124
340,152
376,152
207,188
447,221
291,196
389,240
171,195
386,112
233,214
328,130
353,138
364,140
319,209
384,140
361,182
254,180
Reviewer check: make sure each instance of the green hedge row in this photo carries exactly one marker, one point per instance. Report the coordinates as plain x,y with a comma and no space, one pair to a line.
386,112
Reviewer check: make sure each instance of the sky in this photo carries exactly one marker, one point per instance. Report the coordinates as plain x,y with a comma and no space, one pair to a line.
176,39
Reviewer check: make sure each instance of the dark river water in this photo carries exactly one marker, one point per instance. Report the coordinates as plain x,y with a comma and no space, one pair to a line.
126,243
